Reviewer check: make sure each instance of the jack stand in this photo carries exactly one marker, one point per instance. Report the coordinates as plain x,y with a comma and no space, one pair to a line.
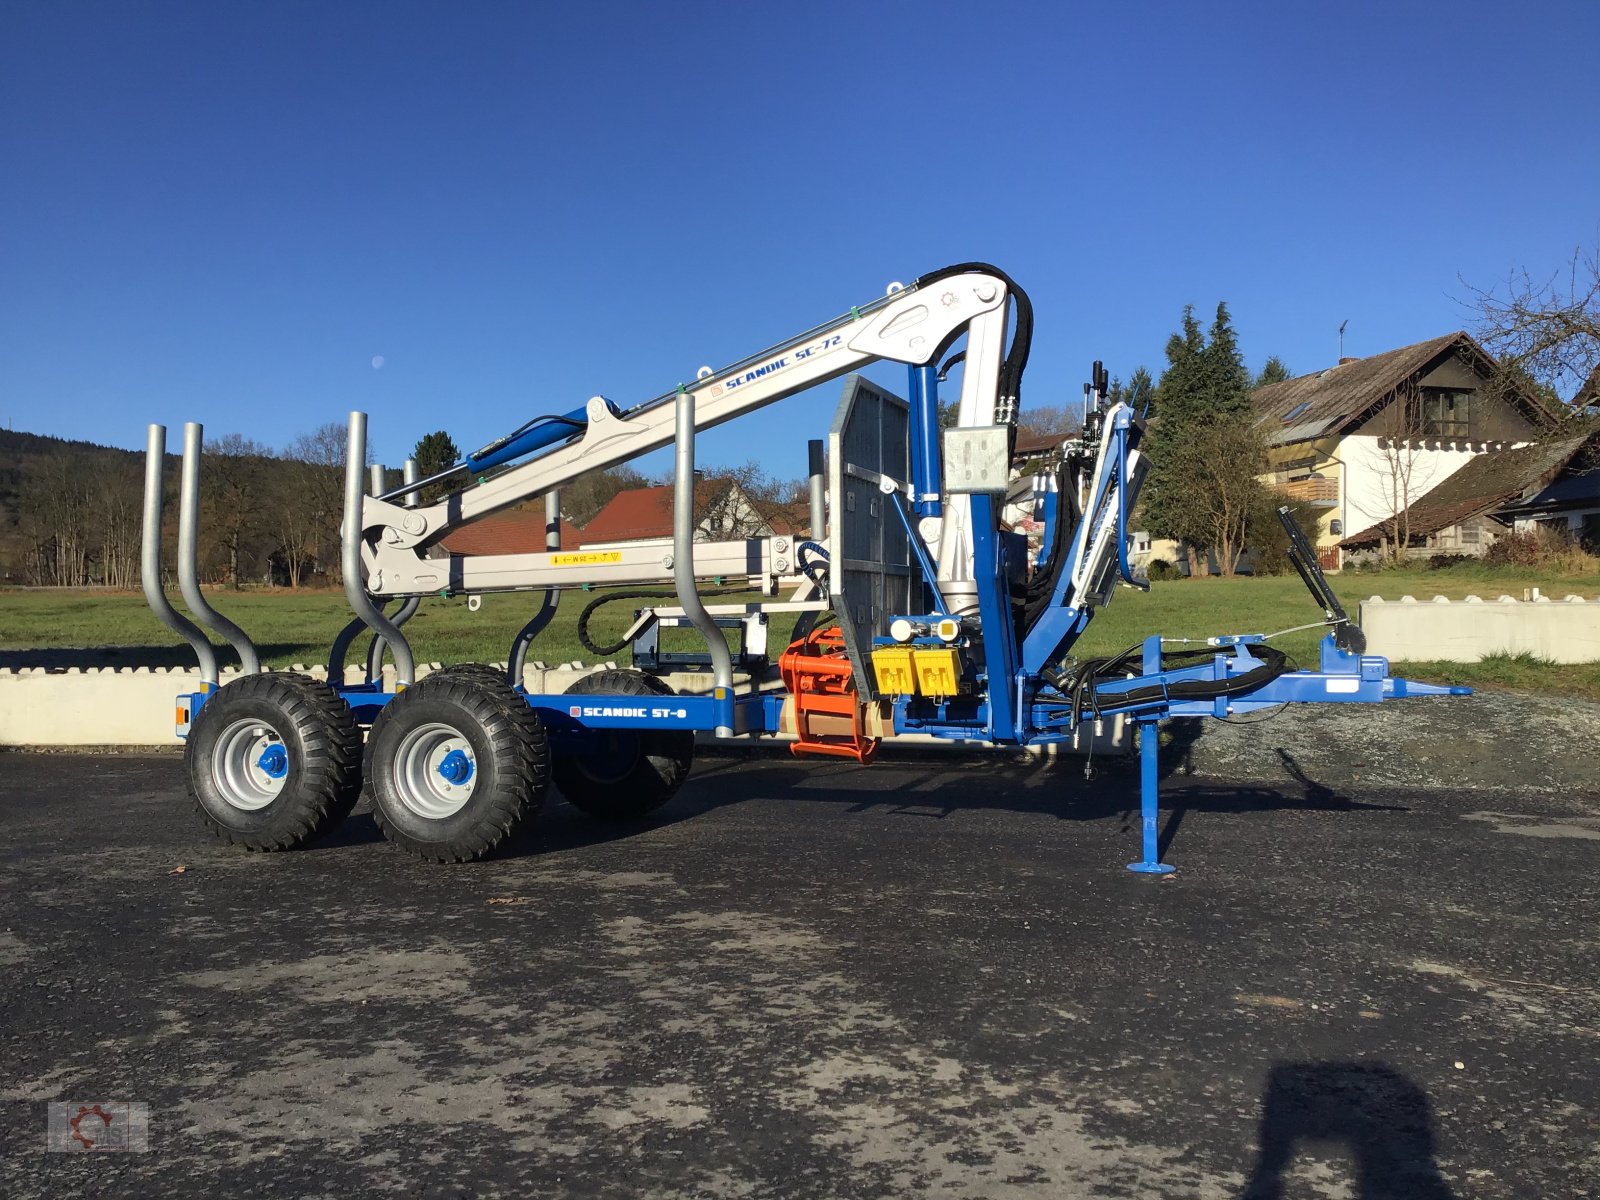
1149,777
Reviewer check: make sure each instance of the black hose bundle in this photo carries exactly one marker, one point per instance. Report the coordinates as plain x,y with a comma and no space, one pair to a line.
1010,391
1042,585
613,597
1084,688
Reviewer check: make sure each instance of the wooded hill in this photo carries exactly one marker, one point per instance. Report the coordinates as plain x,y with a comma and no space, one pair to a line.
71,511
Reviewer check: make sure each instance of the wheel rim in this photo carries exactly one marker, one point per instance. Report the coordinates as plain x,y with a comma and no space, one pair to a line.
435,771
250,765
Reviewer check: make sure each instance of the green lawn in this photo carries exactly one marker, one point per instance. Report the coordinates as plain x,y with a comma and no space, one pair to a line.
1200,607
297,627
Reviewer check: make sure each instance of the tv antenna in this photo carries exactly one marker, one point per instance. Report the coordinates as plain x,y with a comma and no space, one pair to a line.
1342,324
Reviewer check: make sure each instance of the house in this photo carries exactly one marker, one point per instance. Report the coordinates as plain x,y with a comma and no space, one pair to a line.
724,512
1368,437
519,530
1487,494
636,517
1569,501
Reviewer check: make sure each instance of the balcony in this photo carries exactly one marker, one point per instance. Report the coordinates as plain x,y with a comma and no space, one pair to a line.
1317,490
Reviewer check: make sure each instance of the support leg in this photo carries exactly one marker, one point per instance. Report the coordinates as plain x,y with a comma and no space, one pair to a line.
1149,777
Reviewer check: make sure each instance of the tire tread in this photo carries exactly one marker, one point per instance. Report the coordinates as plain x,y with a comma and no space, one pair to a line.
520,751
330,756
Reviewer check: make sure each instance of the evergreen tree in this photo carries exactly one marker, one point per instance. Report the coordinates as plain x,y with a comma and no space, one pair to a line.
1274,371
1139,391
1142,391
1227,382
435,452
1203,407
1180,393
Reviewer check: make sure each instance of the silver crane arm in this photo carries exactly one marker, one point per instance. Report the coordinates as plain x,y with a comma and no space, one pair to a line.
910,325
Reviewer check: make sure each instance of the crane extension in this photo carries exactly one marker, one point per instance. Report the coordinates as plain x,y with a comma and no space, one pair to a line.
916,609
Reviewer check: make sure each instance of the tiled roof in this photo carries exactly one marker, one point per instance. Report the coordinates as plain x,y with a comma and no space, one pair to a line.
1031,445
1330,401
516,531
1481,485
641,513
1571,490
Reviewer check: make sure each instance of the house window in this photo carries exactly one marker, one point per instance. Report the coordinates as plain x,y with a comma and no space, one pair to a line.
1299,470
1446,413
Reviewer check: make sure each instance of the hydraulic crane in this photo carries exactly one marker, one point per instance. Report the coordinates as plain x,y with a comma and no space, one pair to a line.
941,625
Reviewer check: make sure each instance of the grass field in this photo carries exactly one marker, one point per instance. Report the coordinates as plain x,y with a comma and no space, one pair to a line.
297,627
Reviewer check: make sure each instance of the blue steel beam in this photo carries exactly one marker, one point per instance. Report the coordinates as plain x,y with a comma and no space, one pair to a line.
926,476
994,613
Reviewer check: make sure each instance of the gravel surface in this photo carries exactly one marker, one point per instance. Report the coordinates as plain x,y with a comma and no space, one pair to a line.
1509,741
928,977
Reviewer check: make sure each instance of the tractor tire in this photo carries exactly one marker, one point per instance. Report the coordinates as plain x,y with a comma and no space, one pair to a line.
637,771
274,761
454,765
472,670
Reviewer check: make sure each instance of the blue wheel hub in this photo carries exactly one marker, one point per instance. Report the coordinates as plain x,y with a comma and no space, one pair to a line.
274,761
455,767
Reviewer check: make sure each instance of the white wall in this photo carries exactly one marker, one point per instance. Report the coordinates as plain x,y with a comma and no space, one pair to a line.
136,707
1562,631
1366,481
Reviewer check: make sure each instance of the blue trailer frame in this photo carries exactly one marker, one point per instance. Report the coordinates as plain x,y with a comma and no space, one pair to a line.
1018,693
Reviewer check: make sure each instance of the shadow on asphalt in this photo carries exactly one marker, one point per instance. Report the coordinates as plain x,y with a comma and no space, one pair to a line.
924,789
1382,1119
120,657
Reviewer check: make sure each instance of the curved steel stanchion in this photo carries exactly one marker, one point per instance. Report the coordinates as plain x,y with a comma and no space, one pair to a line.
355,588
340,649
517,660
150,561
188,561
408,606
683,558
375,650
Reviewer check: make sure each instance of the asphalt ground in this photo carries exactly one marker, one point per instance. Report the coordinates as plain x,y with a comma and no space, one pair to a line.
931,977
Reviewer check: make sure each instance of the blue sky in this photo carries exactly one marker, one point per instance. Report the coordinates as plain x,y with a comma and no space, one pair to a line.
229,212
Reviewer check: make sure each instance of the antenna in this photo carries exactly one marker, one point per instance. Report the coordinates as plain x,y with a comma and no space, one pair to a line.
1342,324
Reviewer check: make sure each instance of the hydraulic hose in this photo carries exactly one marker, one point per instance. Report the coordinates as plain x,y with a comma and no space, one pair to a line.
1085,691
1016,360
600,602
1043,584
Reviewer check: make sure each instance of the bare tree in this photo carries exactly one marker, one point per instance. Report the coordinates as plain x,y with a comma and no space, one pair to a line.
1399,445
1549,329
57,500
116,511
732,501
1050,420
310,501
234,493
1215,468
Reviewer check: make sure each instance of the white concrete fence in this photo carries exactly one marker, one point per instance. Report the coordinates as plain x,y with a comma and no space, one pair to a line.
1561,631
109,706
133,706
